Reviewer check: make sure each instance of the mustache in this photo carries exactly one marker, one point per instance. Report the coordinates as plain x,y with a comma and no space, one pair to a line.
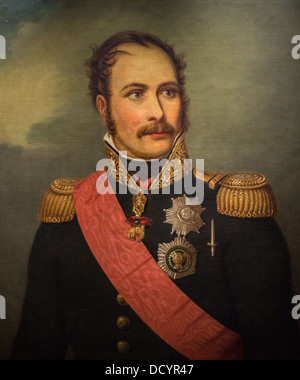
149,129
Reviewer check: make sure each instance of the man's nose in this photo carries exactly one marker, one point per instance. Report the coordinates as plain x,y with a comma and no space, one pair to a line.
155,109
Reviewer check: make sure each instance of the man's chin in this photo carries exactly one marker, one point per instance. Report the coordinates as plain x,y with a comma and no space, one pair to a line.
155,151
149,147
156,146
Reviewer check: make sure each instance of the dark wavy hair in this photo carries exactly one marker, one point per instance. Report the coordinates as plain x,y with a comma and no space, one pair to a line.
105,56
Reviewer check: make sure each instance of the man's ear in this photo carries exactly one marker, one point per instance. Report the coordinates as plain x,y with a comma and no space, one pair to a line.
101,106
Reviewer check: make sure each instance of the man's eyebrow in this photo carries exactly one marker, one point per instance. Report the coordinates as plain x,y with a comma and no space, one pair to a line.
170,83
144,86
134,84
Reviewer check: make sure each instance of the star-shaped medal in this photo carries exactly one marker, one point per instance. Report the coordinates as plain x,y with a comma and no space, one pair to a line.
177,259
184,218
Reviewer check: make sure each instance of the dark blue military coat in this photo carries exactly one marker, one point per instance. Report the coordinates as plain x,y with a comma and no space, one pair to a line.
246,286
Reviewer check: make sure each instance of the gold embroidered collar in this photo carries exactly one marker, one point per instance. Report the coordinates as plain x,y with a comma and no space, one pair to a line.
172,170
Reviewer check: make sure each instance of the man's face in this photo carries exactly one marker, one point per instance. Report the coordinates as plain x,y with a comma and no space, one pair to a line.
145,104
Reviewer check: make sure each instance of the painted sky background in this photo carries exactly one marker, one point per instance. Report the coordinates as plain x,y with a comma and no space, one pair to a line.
241,79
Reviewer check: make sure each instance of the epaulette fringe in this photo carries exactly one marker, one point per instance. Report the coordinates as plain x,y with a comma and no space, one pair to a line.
243,194
57,205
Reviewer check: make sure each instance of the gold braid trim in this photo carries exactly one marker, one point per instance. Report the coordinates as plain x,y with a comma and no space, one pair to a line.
242,195
212,179
57,204
246,195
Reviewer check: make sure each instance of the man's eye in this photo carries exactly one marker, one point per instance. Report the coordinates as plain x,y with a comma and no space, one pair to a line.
170,93
135,95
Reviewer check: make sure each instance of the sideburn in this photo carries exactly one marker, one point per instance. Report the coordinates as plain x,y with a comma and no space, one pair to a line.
110,123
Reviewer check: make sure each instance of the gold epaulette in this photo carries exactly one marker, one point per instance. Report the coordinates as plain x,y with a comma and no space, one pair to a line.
242,195
57,204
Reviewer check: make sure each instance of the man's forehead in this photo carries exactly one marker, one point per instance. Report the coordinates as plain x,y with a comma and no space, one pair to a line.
137,49
141,64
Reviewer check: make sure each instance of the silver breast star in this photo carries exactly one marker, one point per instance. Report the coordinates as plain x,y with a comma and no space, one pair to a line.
184,218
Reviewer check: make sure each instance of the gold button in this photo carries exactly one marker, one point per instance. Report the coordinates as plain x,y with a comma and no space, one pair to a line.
123,347
121,300
123,322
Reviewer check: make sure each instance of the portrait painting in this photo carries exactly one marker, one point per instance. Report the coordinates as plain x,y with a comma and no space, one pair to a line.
214,83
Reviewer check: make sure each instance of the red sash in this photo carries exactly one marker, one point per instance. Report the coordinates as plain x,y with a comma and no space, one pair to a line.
172,315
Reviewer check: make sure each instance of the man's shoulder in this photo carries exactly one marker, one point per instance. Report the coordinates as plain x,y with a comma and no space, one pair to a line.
57,205
241,194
